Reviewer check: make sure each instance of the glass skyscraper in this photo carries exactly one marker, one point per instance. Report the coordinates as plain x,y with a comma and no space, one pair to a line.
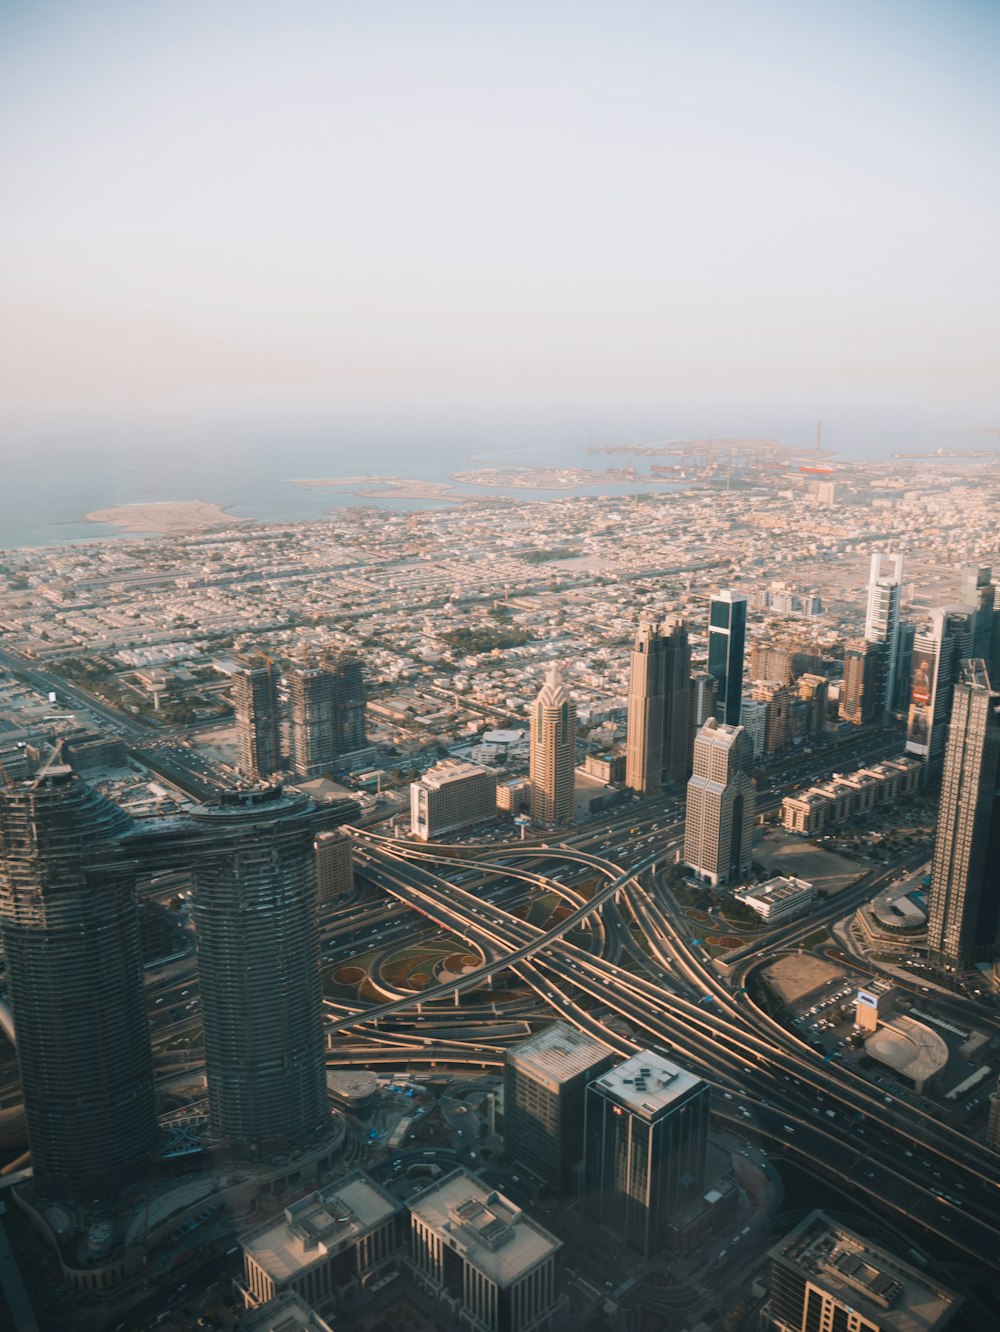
727,635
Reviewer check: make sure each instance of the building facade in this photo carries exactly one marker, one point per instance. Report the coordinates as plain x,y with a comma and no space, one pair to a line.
258,725
553,752
645,1146
727,631
859,693
964,906
255,909
882,626
545,1078
334,866
659,686
719,817
452,795
74,973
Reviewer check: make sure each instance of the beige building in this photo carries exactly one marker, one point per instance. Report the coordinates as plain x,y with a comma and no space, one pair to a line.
832,803
325,1245
553,752
452,795
719,819
483,1257
334,865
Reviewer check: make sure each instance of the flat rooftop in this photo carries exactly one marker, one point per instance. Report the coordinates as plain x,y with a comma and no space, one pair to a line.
309,1229
491,1233
647,1084
557,1053
287,1313
779,889
448,771
867,1278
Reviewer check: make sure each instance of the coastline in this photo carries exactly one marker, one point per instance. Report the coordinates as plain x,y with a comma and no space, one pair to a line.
164,517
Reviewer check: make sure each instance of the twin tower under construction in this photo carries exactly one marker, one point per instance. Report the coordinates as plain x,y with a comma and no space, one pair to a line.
69,861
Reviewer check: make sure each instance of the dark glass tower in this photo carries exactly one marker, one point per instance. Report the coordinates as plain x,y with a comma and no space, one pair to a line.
258,964
727,633
71,936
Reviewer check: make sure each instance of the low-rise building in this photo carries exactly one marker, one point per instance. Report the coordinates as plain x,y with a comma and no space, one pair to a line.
778,898
324,1245
483,1256
451,795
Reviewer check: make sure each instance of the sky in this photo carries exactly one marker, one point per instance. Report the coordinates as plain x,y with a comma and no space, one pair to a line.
281,205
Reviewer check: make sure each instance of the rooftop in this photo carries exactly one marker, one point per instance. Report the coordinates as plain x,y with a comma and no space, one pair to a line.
647,1084
450,770
286,1313
909,1047
870,1280
557,1053
778,889
319,1223
490,1232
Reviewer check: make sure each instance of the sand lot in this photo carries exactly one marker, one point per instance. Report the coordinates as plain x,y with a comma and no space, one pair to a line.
784,853
792,978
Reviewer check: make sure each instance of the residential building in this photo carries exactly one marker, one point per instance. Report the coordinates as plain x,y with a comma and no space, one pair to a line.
814,690
452,795
719,817
553,752
978,594
258,726
645,1146
727,629
258,965
753,719
824,1275
485,1258
74,975
659,678
859,692
325,1246
334,865
311,691
545,1078
777,700
964,904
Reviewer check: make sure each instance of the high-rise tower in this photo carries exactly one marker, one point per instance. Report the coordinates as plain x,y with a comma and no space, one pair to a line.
964,907
258,730
978,594
719,817
71,937
859,695
882,626
553,752
259,970
312,693
659,687
727,631
938,653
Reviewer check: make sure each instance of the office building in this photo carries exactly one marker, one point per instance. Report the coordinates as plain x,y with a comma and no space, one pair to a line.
964,905
553,752
882,626
978,595
727,631
452,795
545,1078
753,719
659,683
702,698
778,898
334,866
483,1257
325,1246
719,818
904,666
938,653
74,975
645,1146
824,1276
255,910
285,1313
859,692
258,729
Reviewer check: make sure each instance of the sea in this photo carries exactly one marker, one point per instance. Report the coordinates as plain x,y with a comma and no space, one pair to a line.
53,472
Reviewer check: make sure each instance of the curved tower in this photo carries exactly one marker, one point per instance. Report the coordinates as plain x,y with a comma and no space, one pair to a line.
259,968
70,932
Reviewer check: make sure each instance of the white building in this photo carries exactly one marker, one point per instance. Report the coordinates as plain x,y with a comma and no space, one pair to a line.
753,719
451,795
481,1255
777,898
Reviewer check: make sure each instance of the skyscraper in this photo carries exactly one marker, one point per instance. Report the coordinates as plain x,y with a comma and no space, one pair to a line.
313,708
71,938
659,683
882,626
978,594
702,697
727,631
937,656
964,908
258,965
258,729
545,1078
645,1144
859,696
719,817
553,752
349,704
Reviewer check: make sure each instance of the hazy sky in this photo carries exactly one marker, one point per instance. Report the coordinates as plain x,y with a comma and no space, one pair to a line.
291,199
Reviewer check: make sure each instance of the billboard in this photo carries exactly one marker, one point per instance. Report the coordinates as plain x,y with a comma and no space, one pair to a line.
921,709
868,999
